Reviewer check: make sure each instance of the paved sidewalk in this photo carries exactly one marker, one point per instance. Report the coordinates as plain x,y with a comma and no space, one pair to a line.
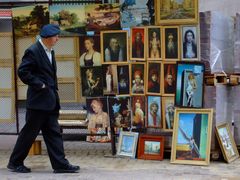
97,163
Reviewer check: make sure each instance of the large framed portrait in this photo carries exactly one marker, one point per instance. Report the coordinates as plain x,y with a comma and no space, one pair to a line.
92,82
168,109
171,43
227,143
190,42
176,12
110,81
154,42
98,119
114,46
154,115
138,112
169,78
89,51
153,86
137,43
192,136
137,85
190,84
120,111
127,145
123,79
150,147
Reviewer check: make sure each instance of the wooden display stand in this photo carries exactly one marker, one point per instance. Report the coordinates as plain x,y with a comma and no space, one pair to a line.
36,148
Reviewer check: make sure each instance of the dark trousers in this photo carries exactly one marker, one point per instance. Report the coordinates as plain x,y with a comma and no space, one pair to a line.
47,122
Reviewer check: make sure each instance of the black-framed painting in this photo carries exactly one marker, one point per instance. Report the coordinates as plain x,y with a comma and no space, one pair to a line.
123,76
92,82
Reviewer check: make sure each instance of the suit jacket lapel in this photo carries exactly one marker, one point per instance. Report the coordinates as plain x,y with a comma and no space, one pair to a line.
43,53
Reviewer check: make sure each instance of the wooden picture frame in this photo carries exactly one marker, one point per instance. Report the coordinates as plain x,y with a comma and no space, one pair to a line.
138,112
123,79
226,142
168,78
66,47
154,112
127,145
138,43
171,12
150,147
171,43
190,38
191,142
154,43
115,39
137,78
168,109
8,113
153,80
190,84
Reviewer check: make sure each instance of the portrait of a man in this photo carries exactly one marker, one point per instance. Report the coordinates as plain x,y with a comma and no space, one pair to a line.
114,46
137,43
169,78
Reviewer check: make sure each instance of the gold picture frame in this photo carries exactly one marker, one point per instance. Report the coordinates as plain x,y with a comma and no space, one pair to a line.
171,43
192,136
119,38
138,34
171,12
226,142
137,78
154,43
153,79
168,113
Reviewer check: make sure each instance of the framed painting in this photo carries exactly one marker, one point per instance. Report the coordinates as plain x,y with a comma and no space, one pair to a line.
92,82
190,42
190,84
171,43
137,44
226,142
123,79
136,13
150,147
138,112
127,145
137,85
110,81
69,16
154,115
191,142
154,42
176,12
168,109
89,51
98,120
114,46
168,78
120,111
100,17
153,82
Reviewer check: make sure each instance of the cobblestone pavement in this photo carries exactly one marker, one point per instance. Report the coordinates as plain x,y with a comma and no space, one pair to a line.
97,163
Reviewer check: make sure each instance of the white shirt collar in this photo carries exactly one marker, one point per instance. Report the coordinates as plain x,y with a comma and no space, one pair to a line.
45,47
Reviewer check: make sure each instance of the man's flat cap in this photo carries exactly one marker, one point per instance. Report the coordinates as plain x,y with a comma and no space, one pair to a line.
49,30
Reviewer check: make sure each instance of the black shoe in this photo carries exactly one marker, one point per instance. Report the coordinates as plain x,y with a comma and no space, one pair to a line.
68,169
19,168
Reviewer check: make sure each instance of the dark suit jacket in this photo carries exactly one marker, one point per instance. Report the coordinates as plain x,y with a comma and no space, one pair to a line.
36,70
